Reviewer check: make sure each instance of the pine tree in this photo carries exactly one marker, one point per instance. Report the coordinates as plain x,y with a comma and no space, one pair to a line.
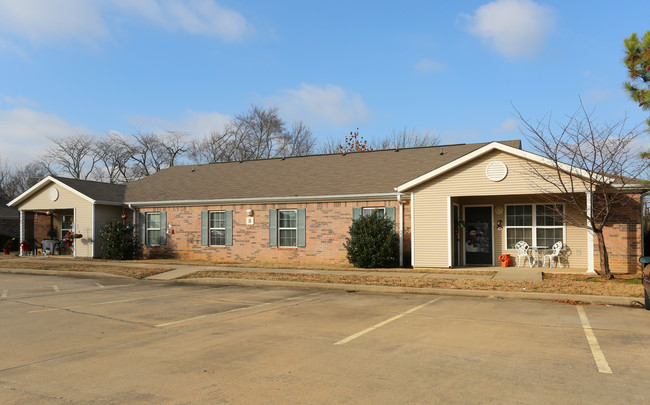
637,60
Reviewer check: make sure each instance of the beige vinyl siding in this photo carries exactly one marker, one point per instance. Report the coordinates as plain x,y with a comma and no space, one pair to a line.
67,201
102,214
468,185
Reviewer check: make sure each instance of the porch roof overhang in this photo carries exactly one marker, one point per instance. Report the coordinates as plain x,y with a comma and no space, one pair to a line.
53,180
494,146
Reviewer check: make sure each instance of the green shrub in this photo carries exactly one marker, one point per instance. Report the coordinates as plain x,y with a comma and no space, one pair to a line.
119,242
372,242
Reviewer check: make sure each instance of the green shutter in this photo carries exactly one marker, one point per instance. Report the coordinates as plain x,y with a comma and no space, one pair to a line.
301,227
143,227
163,228
273,227
204,228
229,228
356,213
390,213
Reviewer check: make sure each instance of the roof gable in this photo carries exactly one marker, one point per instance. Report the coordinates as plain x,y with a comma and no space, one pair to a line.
482,151
91,191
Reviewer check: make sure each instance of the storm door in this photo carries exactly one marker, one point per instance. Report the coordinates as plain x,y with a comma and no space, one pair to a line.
478,235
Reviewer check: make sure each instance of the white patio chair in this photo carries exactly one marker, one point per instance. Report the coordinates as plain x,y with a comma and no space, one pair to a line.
523,252
557,247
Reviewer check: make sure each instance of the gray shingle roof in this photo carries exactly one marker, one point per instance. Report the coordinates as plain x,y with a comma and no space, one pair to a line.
96,190
320,175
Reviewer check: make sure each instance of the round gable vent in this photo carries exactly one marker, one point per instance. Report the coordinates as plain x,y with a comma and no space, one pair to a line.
54,194
496,171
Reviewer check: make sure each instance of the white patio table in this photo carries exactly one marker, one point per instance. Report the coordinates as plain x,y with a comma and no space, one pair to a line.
537,250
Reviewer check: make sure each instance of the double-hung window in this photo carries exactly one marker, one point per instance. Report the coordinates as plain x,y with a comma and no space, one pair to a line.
535,224
368,211
217,228
287,228
153,228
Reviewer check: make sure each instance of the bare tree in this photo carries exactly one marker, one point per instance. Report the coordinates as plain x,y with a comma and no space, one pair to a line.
588,161
297,141
114,154
73,155
175,145
407,138
258,134
15,182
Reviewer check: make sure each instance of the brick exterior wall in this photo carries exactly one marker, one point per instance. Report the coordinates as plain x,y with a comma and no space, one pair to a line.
623,237
326,224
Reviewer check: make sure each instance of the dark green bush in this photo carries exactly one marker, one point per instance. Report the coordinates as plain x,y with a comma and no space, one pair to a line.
119,240
372,242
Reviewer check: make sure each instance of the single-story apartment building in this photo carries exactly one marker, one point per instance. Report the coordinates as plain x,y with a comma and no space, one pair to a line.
453,205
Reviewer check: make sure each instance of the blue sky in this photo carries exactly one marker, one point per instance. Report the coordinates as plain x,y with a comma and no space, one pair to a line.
455,69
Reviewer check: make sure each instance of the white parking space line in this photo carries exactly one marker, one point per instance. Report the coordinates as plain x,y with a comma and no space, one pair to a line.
109,302
160,325
4,293
380,324
55,288
99,285
599,357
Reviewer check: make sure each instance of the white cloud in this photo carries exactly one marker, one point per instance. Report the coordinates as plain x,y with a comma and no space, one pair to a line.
24,133
506,127
47,21
17,101
196,17
50,21
328,104
428,66
197,124
515,28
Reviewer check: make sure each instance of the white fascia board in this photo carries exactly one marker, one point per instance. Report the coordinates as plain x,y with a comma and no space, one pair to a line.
263,200
483,150
42,184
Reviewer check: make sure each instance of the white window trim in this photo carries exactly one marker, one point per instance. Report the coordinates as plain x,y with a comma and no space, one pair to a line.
291,228
532,227
159,229
210,229
382,209
66,229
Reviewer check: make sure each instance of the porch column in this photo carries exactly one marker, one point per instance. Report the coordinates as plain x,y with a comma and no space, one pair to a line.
22,231
450,233
412,230
590,237
401,230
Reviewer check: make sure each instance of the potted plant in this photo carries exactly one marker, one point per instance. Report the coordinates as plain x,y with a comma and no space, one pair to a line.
25,246
52,233
10,245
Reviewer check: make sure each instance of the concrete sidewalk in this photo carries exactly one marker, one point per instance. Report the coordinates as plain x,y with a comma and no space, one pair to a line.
176,271
502,274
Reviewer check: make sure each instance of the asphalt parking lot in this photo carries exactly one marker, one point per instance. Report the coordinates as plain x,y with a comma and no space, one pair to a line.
117,341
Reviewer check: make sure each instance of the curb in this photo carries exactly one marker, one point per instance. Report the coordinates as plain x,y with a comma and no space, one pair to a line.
630,302
74,274
589,299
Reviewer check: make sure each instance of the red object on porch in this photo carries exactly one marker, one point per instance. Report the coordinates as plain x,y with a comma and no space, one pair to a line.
506,260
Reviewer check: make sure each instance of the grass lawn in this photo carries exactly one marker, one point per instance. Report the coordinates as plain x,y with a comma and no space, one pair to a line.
626,285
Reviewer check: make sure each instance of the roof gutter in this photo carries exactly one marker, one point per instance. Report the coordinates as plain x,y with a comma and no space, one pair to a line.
262,200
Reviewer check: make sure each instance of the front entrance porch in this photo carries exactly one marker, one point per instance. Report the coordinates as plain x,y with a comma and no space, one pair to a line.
485,227
45,232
